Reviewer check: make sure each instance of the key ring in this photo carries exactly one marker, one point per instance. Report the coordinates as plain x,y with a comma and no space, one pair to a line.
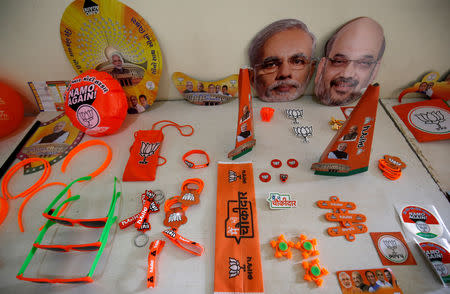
141,240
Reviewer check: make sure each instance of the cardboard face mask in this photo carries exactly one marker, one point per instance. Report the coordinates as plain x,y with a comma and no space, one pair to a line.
351,60
281,58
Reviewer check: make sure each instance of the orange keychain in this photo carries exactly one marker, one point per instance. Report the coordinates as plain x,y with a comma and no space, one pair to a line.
155,248
144,153
183,243
175,216
191,196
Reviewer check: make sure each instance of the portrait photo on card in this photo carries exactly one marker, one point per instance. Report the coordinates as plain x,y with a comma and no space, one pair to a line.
281,56
350,62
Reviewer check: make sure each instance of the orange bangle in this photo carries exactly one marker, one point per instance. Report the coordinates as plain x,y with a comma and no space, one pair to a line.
190,164
195,181
83,146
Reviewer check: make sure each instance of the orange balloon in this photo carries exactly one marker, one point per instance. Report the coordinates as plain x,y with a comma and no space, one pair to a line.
11,110
95,103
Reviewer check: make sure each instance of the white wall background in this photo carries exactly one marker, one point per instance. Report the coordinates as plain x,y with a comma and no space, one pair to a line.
208,39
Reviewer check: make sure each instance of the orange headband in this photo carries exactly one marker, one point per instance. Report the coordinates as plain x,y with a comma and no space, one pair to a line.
83,146
3,200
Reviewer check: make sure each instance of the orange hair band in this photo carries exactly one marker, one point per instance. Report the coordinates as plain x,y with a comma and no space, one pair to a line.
83,146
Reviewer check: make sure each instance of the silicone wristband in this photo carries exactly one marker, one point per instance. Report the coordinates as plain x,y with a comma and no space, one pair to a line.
190,164
183,243
83,146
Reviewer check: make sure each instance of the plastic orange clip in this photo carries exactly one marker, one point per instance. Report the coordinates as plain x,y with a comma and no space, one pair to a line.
314,272
348,232
307,247
282,247
336,205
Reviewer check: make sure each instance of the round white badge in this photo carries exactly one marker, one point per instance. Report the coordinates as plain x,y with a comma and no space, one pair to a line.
393,249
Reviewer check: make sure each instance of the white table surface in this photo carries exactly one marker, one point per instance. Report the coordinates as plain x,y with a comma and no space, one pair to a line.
123,267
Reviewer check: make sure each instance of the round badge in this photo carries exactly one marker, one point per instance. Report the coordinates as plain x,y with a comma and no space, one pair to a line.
292,162
265,177
276,163
393,249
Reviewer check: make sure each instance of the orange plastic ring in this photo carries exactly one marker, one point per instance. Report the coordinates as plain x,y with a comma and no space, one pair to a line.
83,146
195,181
171,202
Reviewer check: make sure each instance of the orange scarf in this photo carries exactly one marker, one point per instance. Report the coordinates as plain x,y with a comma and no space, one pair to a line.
237,255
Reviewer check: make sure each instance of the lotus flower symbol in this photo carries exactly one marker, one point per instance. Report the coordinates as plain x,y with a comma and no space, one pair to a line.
232,176
235,268
87,116
432,117
294,114
147,149
303,131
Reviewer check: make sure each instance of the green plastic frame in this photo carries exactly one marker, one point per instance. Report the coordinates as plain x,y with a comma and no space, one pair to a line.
103,237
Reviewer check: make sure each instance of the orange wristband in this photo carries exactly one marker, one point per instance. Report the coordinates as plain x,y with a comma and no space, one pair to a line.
83,146
183,243
190,164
